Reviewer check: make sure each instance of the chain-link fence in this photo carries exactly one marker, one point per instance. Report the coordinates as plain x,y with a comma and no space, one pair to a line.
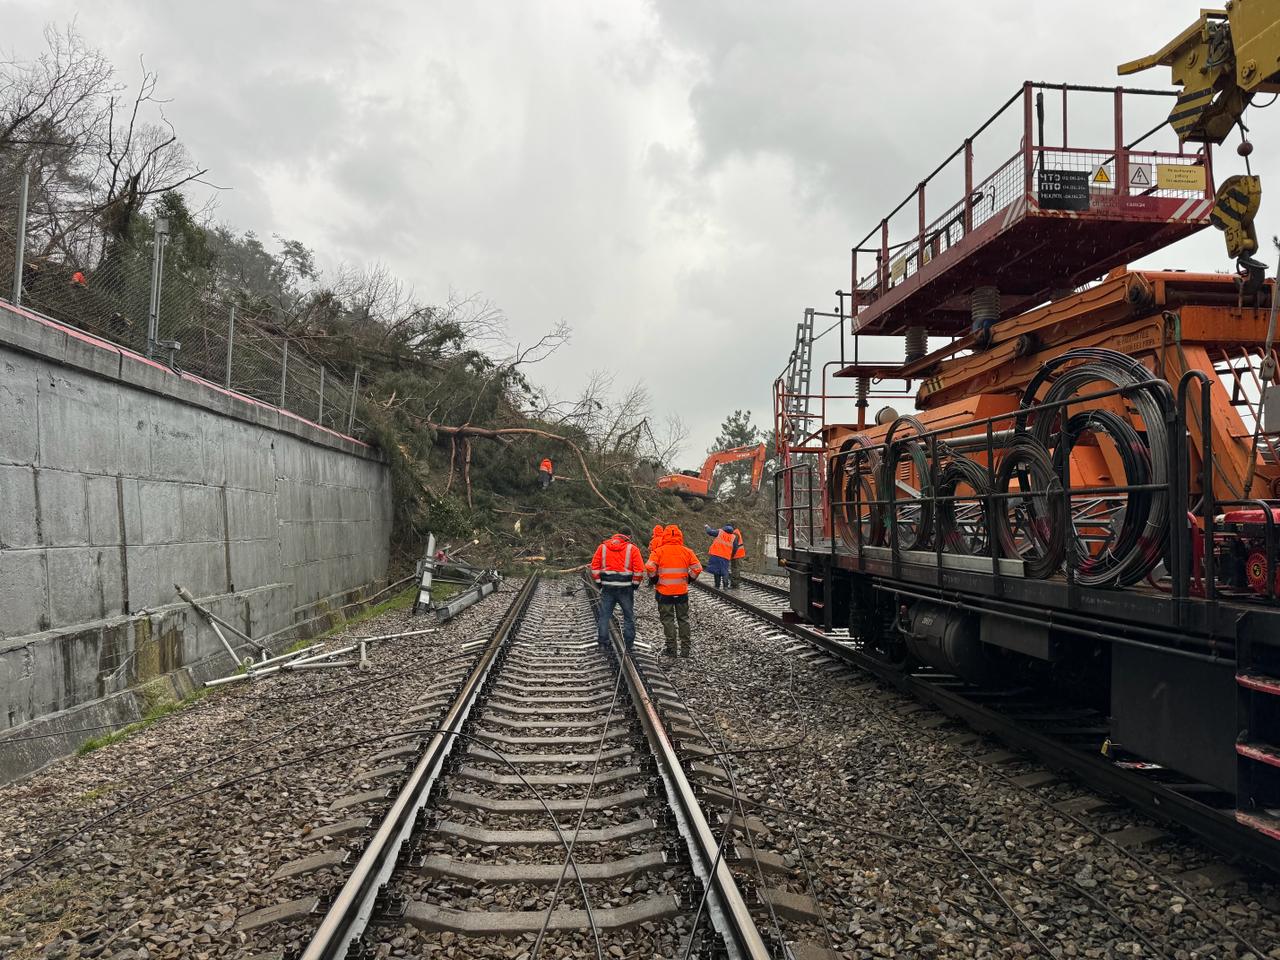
137,297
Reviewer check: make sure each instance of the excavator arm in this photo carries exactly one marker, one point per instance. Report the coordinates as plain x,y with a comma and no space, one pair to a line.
697,487
1220,62
735,455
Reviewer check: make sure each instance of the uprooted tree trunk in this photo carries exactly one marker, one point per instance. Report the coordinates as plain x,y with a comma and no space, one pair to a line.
466,431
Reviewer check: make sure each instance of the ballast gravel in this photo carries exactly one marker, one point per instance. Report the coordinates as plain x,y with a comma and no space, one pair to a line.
914,847
157,845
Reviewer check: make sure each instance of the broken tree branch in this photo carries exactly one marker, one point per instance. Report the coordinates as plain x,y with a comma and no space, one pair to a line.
501,434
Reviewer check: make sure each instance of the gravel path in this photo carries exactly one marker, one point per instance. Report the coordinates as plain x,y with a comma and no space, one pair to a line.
256,771
916,847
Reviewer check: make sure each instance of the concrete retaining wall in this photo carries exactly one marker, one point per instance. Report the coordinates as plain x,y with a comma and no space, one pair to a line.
120,478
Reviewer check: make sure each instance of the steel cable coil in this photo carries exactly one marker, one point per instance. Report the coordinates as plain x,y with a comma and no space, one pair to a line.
1043,526
1152,398
1114,564
962,471
912,533
854,478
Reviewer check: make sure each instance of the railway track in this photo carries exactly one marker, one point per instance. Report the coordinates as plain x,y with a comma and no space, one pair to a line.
542,805
1062,738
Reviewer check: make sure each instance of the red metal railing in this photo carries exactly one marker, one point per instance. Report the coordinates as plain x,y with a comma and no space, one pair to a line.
909,237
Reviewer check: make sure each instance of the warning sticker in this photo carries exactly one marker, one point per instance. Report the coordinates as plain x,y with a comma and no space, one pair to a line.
1140,176
1179,176
1102,177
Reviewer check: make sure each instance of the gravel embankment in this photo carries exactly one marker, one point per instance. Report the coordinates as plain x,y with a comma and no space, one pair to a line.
916,847
215,798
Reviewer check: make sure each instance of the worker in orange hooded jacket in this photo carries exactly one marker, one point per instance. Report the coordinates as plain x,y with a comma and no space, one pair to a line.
616,569
670,569
655,541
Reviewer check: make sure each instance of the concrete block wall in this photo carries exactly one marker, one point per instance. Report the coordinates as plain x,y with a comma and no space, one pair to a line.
120,478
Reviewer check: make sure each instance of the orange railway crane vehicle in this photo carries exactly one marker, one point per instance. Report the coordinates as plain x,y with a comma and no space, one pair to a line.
1085,499
696,485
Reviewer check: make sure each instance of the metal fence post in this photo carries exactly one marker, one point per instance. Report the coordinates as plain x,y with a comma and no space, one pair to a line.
320,411
231,339
351,415
284,371
20,247
157,272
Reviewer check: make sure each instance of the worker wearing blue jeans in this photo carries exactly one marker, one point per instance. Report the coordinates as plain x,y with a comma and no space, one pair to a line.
624,598
616,569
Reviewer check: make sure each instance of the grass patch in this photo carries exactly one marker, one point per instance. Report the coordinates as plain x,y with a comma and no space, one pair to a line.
400,601
157,709
97,793
39,912
443,591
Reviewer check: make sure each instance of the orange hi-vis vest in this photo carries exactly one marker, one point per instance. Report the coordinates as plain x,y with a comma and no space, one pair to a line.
617,563
674,565
722,545
545,466
739,545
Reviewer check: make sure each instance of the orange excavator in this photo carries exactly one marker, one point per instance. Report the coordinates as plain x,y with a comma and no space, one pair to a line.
695,485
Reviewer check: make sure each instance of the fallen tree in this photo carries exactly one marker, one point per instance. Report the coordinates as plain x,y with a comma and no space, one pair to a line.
500,434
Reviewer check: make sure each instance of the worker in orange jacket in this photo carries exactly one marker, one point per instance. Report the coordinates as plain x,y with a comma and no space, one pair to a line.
655,540
546,470
617,569
671,568
720,556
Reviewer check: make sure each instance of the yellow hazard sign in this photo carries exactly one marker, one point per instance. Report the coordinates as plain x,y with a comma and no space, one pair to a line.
1179,176
1101,177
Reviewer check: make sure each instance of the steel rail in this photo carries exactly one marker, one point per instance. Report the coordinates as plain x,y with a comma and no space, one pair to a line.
780,592
730,915
353,907
1217,828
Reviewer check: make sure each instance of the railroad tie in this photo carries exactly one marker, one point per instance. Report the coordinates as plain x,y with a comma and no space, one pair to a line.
546,779
518,759
317,861
1136,836
793,906
613,733
546,724
342,827
277,913
609,801
359,799
483,835
428,916
539,873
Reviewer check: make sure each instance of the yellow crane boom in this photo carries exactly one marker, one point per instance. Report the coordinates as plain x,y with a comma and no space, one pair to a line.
1221,61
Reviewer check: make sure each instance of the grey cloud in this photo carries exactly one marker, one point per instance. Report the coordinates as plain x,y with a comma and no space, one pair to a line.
677,179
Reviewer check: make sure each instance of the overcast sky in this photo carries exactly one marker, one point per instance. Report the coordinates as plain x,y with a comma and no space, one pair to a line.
676,179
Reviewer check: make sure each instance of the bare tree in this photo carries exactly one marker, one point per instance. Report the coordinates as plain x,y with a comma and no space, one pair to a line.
139,158
51,101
